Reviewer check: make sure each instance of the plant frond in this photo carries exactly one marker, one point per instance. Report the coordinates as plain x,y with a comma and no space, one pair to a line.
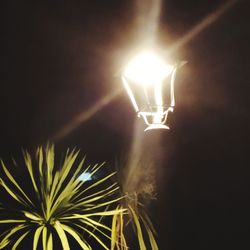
28,164
58,203
14,195
76,237
4,244
62,235
151,236
94,227
19,240
95,237
11,221
12,179
37,236
50,242
138,229
33,216
10,233
44,237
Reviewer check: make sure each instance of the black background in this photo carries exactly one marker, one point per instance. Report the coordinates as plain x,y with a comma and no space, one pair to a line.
58,58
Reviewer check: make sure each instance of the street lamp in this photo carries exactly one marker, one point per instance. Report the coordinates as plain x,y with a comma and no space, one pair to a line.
149,82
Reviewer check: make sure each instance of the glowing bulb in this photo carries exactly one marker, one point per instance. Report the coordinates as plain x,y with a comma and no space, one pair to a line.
147,68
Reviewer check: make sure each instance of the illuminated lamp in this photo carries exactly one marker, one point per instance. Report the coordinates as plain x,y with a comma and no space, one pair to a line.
149,82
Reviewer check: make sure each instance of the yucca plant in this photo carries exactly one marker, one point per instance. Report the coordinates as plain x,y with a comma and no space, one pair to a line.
55,205
137,187
137,218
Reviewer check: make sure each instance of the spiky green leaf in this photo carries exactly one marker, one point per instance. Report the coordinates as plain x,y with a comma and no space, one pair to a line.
37,236
73,233
19,240
138,229
62,235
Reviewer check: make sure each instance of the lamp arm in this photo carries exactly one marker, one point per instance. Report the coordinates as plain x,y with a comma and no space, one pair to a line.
172,87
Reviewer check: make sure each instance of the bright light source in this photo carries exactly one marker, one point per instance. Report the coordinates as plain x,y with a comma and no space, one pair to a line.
85,177
147,68
149,82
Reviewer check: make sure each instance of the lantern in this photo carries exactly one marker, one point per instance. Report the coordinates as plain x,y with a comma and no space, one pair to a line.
149,82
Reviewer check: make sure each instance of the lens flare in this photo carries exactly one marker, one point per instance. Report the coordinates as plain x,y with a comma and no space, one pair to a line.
86,176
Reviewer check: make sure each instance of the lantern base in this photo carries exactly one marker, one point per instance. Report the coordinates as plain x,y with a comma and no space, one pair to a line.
156,126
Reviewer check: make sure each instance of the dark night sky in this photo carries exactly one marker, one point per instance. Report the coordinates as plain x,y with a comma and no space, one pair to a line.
58,58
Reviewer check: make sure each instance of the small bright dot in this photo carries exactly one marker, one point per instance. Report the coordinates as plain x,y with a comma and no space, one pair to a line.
85,177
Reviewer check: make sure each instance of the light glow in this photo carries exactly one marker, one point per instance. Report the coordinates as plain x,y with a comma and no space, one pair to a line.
156,126
147,68
85,177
